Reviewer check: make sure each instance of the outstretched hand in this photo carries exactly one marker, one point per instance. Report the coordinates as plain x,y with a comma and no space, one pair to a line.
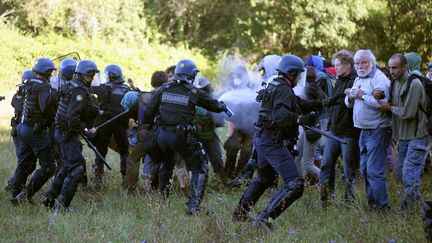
384,107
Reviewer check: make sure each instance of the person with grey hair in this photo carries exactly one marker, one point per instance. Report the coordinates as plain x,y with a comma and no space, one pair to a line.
369,89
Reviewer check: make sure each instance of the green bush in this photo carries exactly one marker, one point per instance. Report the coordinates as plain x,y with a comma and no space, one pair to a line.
138,59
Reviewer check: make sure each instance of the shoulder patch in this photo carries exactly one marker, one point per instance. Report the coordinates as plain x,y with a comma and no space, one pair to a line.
79,98
274,82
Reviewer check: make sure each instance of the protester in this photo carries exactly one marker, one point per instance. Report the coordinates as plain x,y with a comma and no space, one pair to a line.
340,124
409,126
308,139
375,135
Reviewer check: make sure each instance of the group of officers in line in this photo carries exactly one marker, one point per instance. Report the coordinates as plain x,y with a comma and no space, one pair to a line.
71,109
55,116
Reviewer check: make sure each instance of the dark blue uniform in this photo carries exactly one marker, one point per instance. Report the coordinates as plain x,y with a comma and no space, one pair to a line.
34,139
173,108
18,105
110,96
75,112
277,131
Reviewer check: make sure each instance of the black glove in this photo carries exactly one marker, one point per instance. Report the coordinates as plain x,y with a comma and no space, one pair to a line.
222,105
327,102
225,108
308,119
91,136
332,100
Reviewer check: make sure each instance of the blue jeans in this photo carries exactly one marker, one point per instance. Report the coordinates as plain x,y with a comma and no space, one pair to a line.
150,167
350,160
411,157
373,163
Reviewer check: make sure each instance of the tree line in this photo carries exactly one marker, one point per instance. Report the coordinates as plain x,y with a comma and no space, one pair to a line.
252,28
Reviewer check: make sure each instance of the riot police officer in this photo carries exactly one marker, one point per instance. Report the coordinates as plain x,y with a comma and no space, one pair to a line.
33,134
277,129
173,106
75,113
18,105
110,95
67,70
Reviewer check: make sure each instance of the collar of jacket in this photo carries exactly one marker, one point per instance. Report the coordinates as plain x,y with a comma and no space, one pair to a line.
371,74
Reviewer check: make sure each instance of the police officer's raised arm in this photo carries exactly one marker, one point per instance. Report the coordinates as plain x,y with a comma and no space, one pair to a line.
210,104
309,105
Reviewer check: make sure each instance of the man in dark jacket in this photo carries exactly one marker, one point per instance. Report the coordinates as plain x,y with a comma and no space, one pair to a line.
341,125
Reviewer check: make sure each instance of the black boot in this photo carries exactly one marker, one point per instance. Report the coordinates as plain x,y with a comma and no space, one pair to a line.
22,197
197,187
48,200
245,175
98,171
287,194
70,185
250,197
326,193
427,219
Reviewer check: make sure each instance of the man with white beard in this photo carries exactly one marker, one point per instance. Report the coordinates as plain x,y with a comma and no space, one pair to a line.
375,127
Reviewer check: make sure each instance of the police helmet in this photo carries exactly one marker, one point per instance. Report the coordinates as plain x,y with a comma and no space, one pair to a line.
267,66
27,75
87,67
114,73
185,71
67,68
290,64
201,82
44,65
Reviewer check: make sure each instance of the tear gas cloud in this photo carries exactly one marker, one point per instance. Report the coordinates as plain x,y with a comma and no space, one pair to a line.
237,87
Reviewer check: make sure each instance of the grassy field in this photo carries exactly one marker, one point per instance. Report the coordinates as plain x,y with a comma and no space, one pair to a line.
113,216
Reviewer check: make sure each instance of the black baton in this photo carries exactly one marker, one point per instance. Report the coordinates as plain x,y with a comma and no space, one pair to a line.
112,119
326,134
92,147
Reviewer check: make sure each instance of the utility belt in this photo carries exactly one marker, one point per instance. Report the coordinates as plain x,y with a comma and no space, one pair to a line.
265,126
187,131
38,126
277,135
179,128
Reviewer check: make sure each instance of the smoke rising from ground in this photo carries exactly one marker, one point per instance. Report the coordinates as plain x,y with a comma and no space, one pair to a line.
237,87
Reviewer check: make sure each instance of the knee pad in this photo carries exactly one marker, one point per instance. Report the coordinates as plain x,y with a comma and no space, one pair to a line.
48,169
77,171
46,156
295,186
